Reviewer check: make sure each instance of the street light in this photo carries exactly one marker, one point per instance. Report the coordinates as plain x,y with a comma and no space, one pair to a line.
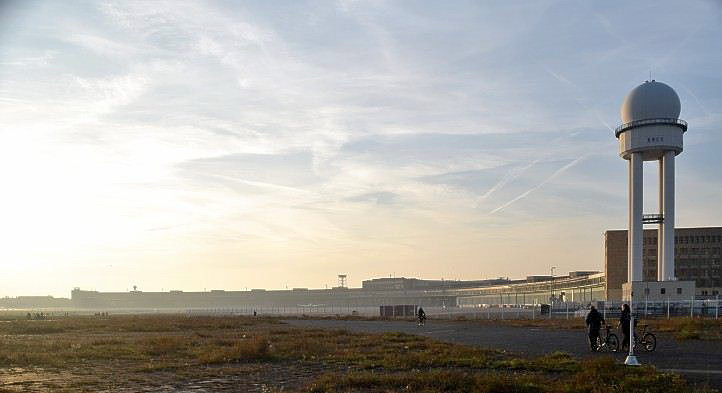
631,359
551,292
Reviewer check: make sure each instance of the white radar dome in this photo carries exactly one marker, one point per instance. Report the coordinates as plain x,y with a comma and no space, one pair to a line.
650,100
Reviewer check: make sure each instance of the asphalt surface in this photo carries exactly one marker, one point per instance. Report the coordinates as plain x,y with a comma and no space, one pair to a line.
698,361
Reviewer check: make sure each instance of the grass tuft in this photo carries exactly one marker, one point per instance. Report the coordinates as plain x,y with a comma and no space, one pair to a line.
253,349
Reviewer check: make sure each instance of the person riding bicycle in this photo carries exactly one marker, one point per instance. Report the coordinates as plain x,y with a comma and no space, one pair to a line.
594,322
421,315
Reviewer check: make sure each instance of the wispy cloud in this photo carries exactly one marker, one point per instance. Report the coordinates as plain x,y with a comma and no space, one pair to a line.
295,138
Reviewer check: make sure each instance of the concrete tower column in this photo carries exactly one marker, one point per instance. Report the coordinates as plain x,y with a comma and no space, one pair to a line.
634,241
660,231
665,266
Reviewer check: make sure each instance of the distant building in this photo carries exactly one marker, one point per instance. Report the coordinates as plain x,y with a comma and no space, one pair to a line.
403,283
697,258
39,302
575,287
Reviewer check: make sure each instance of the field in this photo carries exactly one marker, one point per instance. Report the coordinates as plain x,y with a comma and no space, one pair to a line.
177,352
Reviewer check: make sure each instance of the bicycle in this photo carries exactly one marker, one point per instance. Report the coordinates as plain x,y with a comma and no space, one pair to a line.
610,341
648,340
422,320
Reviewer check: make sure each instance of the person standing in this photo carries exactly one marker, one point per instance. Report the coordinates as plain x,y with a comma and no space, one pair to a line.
624,320
594,324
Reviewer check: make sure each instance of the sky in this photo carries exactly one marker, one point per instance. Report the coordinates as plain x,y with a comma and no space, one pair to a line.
237,145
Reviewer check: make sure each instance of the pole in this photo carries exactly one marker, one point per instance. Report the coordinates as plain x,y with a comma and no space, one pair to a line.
667,307
691,307
551,292
631,359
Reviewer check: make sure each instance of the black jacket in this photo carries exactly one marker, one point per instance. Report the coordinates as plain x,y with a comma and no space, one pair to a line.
625,318
594,320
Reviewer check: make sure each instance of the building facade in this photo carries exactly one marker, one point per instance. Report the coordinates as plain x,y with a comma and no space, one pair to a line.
577,287
697,258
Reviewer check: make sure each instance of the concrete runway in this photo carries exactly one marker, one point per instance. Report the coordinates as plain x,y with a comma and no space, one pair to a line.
698,361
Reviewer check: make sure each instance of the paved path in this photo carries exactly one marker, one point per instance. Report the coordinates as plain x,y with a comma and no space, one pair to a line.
700,361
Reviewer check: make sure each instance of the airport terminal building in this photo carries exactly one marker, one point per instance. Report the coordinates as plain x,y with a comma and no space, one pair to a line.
697,260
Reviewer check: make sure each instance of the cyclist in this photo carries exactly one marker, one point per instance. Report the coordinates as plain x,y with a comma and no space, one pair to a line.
421,315
594,322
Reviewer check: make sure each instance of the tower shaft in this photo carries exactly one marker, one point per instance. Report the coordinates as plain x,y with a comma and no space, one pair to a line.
665,246
636,228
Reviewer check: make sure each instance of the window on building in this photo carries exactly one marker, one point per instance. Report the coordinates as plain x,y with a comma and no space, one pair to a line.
646,291
663,291
679,291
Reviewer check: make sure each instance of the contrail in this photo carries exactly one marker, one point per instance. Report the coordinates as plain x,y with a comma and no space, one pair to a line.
540,185
577,98
261,184
511,175
559,171
707,114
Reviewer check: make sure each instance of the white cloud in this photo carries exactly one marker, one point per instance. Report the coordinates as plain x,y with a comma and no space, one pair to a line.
225,139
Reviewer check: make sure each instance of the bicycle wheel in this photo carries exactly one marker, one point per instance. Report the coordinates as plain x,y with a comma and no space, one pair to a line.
613,342
649,342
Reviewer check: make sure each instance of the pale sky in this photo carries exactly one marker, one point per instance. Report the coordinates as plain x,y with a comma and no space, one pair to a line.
232,145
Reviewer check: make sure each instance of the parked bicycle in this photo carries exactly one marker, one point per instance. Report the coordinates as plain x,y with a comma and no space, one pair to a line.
610,341
648,340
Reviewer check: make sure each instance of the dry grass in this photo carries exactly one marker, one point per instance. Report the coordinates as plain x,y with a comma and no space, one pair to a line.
145,352
248,350
599,376
683,327
690,329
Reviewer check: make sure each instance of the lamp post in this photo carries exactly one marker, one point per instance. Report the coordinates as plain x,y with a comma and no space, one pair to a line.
551,292
631,359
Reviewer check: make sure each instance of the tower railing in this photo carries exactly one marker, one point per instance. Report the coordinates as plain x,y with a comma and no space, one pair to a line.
644,122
